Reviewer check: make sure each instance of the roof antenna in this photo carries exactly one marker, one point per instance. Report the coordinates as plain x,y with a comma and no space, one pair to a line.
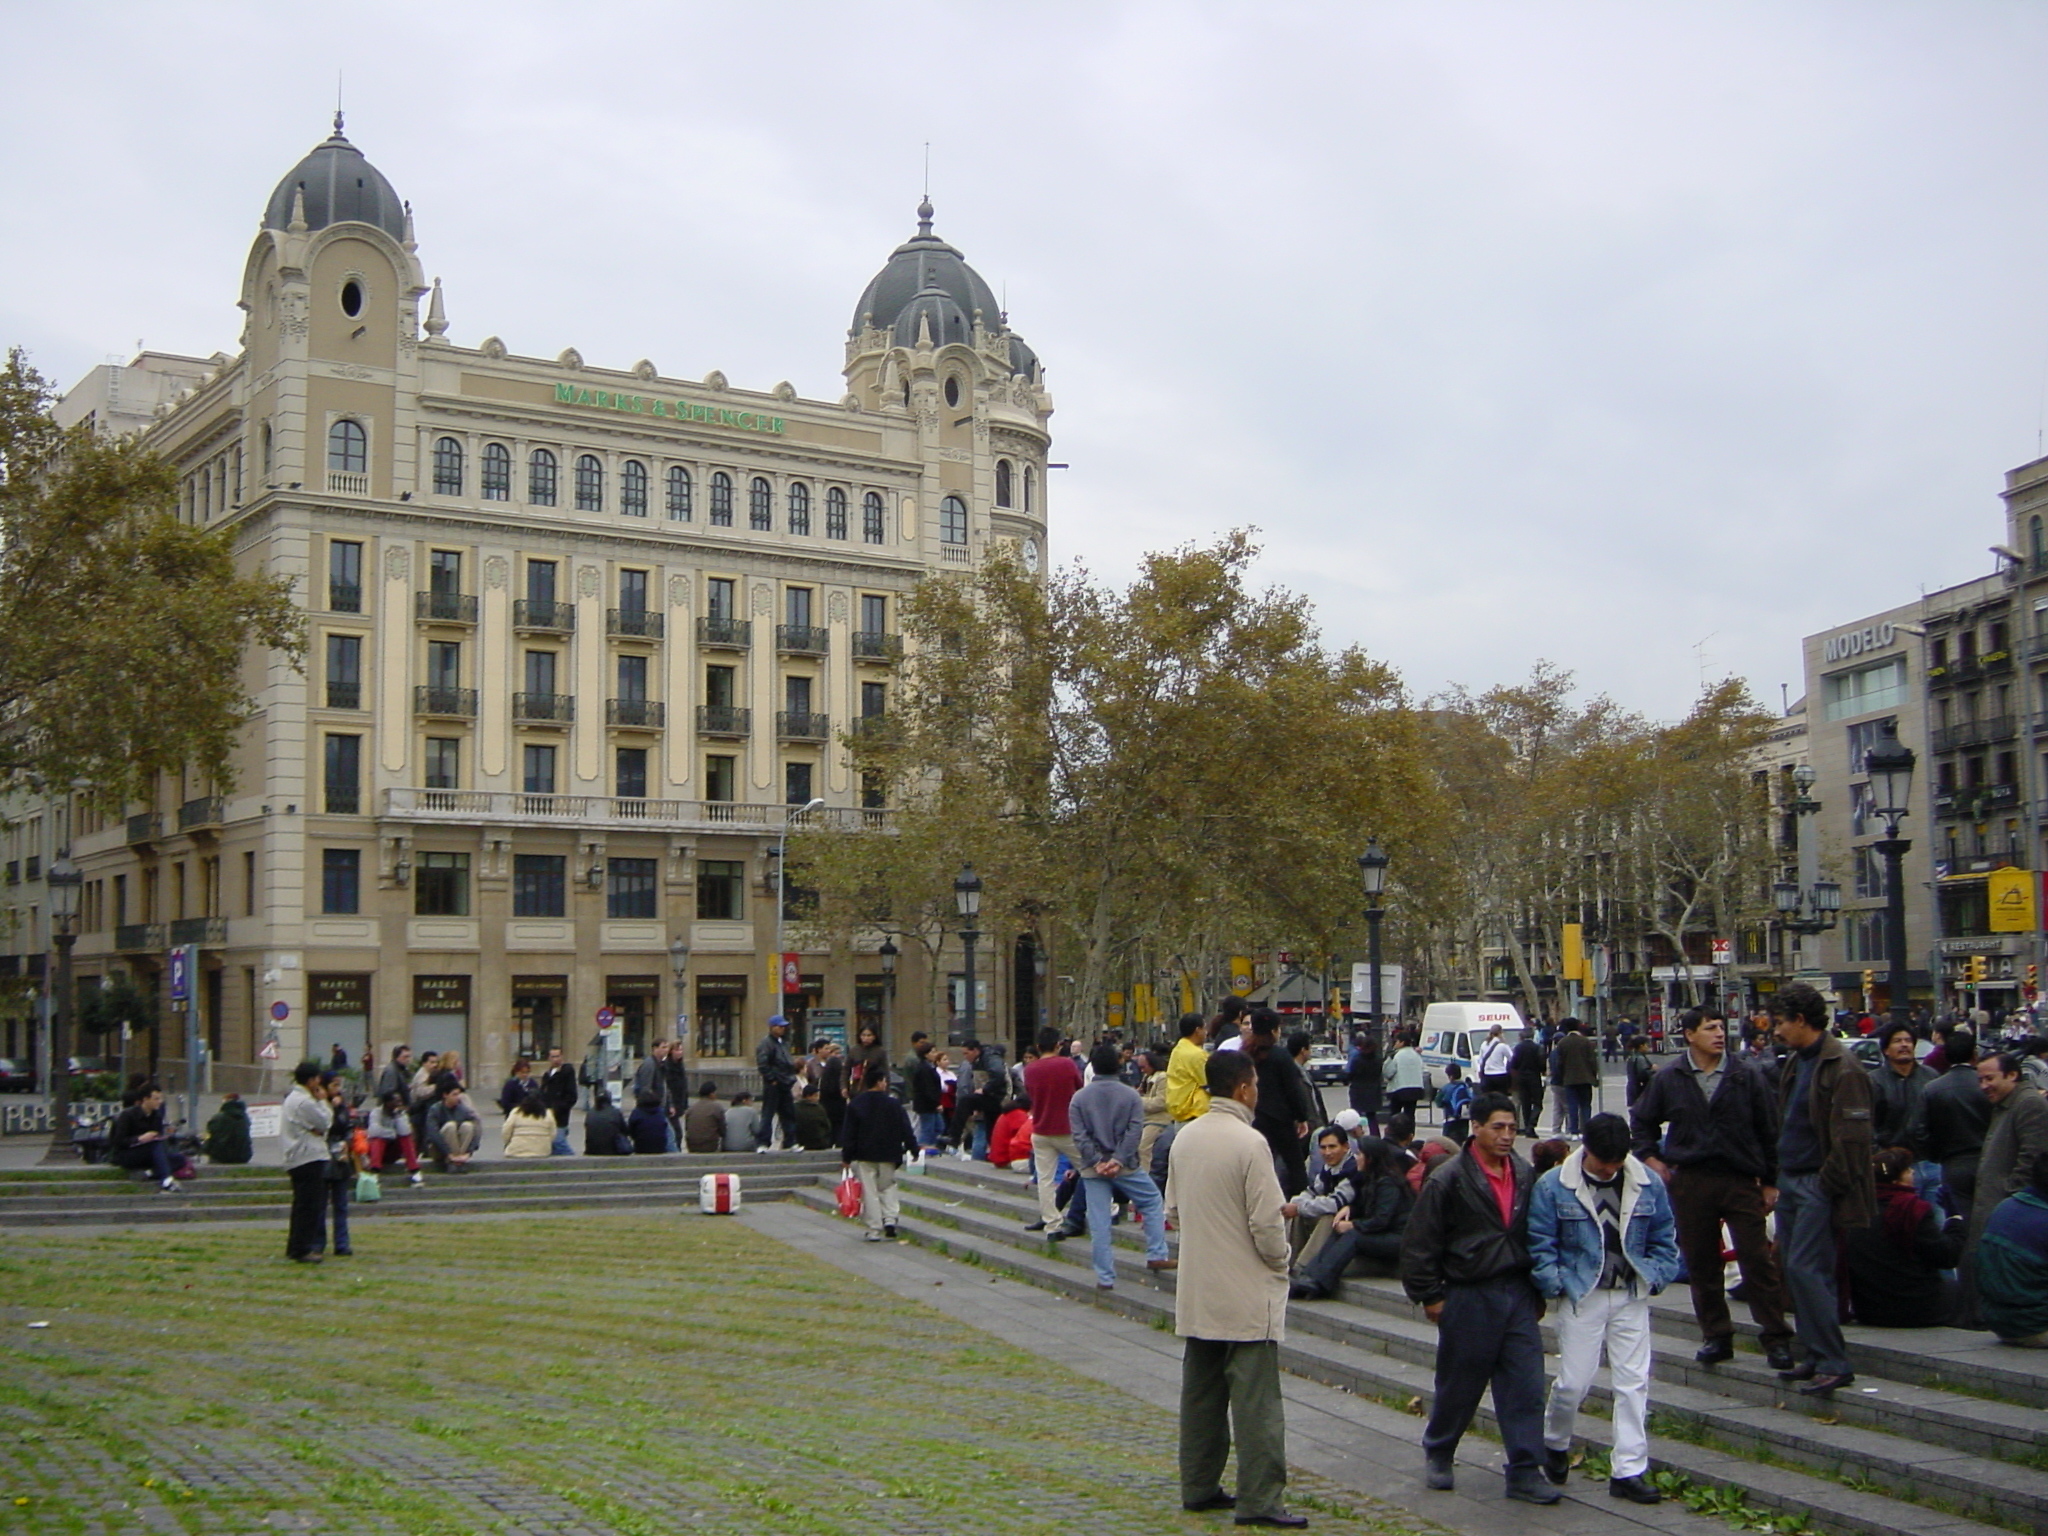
924,208
337,104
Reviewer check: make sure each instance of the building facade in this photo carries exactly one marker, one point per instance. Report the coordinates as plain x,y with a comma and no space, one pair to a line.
582,643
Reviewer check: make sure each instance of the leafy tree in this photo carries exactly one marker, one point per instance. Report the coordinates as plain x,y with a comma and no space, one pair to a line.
122,631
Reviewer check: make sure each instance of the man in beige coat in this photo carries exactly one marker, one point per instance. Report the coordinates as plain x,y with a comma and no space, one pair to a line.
1231,1303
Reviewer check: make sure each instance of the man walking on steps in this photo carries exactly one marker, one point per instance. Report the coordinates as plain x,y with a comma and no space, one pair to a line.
1465,1262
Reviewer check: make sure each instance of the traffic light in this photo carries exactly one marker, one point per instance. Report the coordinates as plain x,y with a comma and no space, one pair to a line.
2033,980
1869,986
1973,969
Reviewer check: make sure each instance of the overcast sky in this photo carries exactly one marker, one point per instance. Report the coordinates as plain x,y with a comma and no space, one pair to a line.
1641,338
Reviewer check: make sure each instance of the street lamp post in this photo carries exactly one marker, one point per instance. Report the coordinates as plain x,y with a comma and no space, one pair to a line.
1890,766
679,966
63,880
887,955
967,896
1372,869
781,890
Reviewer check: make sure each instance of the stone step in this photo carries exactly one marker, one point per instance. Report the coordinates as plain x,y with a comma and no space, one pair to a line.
1384,1355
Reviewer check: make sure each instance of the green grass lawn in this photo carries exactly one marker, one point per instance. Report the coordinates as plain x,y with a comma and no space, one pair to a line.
563,1374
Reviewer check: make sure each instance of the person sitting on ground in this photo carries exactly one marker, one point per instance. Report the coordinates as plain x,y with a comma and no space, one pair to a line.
227,1133
452,1129
1009,1145
2012,1265
742,1121
529,1128
140,1140
391,1129
704,1122
1332,1182
1368,1229
604,1128
1895,1264
813,1125
647,1125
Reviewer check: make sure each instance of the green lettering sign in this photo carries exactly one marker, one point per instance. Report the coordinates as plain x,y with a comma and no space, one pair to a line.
679,410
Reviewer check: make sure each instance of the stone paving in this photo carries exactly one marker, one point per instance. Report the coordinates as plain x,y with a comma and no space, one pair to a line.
578,1376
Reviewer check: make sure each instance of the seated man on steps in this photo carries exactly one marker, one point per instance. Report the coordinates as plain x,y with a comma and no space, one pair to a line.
452,1128
1369,1228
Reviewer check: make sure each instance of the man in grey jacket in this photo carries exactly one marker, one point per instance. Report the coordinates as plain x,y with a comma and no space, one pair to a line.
1108,1116
305,1121
778,1092
452,1128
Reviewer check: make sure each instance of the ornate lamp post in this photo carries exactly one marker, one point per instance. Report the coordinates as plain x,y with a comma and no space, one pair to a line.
887,954
1372,869
679,966
1890,766
63,879
967,897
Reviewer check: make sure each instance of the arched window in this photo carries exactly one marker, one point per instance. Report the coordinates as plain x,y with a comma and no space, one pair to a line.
540,478
1030,487
799,508
348,448
760,506
953,520
589,483
835,513
497,475
678,493
1002,482
721,500
633,489
447,467
871,518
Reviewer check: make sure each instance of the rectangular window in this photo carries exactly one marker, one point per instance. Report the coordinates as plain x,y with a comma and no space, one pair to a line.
344,775
345,577
1863,689
721,776
440,885
249,882
540,671
540,581
633,678
629,888
1869,866
797,607
721,891
872,796
633,592
720,597
874,614
540,884
444,663
796,783
874,700
537,769
796,695
444,571
1862,737
344,672
631,775
444,762
341,874
720,686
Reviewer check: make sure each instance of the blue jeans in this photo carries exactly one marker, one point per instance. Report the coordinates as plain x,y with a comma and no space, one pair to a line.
334,1198
1578,1106
1806,1249
931,1129
979,1149
1136,1187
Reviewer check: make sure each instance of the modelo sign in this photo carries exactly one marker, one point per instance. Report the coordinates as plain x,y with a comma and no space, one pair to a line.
1856,642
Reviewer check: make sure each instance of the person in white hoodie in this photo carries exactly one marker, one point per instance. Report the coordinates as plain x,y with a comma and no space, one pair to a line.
306,1118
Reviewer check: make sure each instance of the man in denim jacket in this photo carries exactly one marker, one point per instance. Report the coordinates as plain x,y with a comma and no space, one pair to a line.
1603,1239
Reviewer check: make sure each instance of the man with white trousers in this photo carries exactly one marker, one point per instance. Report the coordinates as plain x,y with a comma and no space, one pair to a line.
1603,1241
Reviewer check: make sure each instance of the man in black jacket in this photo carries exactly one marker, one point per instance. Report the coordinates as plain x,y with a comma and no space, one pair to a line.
1896,1083
1708,1123
1465,1262
1949,1124
1285,1108
778,1086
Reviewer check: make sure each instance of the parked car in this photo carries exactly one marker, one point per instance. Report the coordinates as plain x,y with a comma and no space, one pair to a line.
16,1076
87,1066
1325,1064
1866,1050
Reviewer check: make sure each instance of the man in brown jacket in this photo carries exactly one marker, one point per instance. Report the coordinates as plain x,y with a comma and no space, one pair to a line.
1231,1304
1824,1177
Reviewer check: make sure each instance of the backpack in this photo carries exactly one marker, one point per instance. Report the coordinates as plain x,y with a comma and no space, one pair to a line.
1454,1099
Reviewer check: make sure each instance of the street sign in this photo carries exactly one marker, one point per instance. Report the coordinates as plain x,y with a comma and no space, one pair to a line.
827,1024
268,1050
606,1018
1390,989
181,973
1724,951
280,1011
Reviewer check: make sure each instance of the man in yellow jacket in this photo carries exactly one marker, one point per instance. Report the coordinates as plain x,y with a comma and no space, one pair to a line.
1187,1068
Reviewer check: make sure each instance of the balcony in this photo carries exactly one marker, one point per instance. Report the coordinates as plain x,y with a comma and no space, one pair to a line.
146,827
341,482
200,930
344,695
344,800
2037,646
1973,803
802,725
492,807
536,613
874,645
202,813
871,727
632,624
139,938
802,640
344,597
445,607
1974,733
449,703
543,708
724,720
731,634
642,713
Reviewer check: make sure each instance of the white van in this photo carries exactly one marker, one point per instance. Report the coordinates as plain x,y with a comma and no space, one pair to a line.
1455,1032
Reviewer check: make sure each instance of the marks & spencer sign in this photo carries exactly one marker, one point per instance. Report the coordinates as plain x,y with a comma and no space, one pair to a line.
671,410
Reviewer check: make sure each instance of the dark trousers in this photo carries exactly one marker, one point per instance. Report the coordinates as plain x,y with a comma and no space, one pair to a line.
1959,1177
1404,1101
307,1233
1230,1388
1487,1336
1326,1270
1806,1237
1702,1201
1528,1100
1578,1107
153,1155
561,1114
777,1104
334,1198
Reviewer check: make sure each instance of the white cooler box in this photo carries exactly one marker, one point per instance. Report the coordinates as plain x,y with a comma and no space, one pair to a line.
718,1194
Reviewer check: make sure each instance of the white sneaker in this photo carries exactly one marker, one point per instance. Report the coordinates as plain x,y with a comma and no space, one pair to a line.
418,1181
871,1237
169,1186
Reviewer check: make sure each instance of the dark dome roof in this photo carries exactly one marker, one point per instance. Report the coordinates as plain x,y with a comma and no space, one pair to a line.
949,323
922,262
1022,359
341,187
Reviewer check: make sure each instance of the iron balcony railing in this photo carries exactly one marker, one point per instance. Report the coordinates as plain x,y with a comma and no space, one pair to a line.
874,645
632,624
445,607
515,809
200,930
205,811
544,708
344,597
724,720
538,613
802,639
802,725
454,703
733,634
344,695
145,827
134,938
640,712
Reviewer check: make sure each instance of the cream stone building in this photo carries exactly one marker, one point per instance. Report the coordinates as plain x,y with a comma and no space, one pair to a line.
582,639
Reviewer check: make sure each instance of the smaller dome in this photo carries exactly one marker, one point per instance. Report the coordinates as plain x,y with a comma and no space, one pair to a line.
1022,359
340,187
948,323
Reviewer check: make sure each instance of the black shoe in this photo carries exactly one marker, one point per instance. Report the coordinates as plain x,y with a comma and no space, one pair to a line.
1440,1473
1063,1232
1801,1372
1532,1490
1304,1290
889,1231
1217,1500
1714,1351
1821,1386
1285,1522
305,1258
1636,1490
1034,1226
1557,1465
1779,1359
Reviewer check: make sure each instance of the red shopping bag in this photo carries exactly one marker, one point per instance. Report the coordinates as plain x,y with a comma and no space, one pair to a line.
849,1196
